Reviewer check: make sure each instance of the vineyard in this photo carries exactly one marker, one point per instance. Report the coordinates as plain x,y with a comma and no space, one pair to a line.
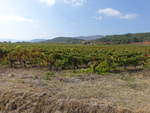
96,59
65,78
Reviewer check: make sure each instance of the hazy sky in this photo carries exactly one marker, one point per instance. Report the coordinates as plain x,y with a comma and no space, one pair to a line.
30,19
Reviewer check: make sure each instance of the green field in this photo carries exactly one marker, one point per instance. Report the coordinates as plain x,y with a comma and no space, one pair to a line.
45,77
96,59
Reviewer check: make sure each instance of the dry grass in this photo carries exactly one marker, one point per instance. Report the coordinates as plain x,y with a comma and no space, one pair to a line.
25,91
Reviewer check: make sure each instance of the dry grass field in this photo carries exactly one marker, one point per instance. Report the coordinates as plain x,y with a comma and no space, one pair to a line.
41,91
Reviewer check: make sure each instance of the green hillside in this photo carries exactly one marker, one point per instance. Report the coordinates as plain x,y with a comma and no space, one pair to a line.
125,38
65,40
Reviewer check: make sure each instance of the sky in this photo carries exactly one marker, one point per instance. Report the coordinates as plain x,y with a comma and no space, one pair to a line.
45,19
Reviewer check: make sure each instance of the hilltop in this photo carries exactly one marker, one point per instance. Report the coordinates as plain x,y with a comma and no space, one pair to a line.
129,38
124,38
64,40
73,40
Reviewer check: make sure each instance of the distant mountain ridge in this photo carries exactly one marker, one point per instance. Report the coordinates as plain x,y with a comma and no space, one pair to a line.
64,40
78,39
95,39
37,40
124,38
92,37
8,40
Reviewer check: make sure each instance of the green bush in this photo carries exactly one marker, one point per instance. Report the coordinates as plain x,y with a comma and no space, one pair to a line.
103,67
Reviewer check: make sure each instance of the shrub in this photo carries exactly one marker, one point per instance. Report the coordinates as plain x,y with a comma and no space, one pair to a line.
103,67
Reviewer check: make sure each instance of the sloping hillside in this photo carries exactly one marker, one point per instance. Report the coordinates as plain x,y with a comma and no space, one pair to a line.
77,39
37,40
125,38
92,37
65,40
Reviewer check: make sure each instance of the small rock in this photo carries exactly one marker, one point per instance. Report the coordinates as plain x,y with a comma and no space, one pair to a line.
11,75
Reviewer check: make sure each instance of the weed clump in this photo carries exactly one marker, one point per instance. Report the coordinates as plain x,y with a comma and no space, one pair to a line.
48,76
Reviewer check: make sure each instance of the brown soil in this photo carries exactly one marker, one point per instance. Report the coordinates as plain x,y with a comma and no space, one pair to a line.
142,43
25,91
